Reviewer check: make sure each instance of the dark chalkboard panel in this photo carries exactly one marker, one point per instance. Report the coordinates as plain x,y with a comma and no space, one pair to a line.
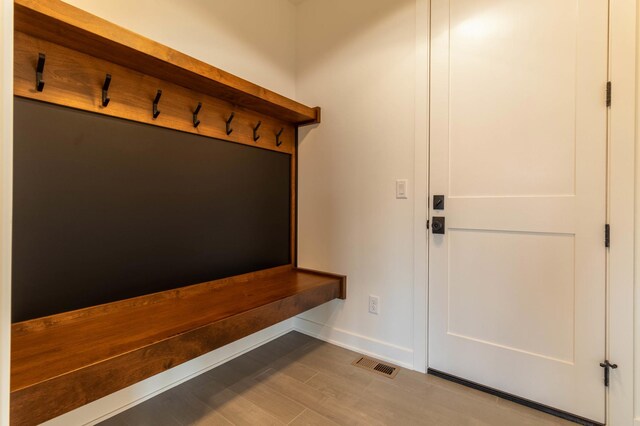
106,209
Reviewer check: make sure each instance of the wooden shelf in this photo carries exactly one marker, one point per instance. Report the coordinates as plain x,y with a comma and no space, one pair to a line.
67,360
68,26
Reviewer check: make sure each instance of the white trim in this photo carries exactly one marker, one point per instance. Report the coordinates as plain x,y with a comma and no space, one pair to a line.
622,124
6,195
383,351
421,192
104,408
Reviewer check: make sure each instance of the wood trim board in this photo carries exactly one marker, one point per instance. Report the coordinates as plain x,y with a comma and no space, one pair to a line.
75,80
74,28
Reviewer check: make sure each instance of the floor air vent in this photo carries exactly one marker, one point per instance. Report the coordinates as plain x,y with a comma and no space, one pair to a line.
371,364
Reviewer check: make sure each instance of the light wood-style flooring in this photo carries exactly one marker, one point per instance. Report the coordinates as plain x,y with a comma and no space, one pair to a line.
298,380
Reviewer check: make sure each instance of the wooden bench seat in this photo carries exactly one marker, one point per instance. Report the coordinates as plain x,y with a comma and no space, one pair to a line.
64,361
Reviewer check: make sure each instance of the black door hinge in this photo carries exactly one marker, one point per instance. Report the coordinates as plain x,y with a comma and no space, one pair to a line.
607,235
607,367
427,224
608,94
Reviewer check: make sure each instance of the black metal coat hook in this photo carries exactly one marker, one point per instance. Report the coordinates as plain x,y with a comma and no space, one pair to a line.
196,122
229,129
39,71
105,90
278,141
156,112
256,136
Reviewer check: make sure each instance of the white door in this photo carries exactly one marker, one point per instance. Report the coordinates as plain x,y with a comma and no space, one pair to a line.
518,149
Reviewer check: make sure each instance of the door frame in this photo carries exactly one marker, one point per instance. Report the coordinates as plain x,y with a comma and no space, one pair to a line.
6,196
621,211
421,188
623,202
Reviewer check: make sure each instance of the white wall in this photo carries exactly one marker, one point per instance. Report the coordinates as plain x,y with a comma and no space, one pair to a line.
637,229
6,170
253,39
357,60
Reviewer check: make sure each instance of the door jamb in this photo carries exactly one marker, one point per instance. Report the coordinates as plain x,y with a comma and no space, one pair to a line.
621,211
421,188
6,185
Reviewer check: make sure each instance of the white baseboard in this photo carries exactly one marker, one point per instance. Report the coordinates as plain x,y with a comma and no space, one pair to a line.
383,351
124,399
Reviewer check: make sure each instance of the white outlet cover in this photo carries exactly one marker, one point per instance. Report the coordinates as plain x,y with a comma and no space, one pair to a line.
374,304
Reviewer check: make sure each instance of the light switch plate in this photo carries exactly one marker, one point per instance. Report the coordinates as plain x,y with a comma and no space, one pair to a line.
402,188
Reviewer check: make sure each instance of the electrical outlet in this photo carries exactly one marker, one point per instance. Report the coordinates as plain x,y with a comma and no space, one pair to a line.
374,304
